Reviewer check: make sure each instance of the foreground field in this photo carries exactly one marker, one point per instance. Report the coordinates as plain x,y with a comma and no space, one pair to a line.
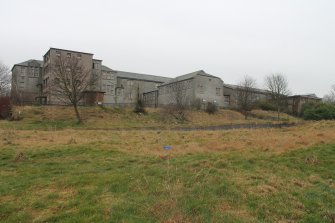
263,175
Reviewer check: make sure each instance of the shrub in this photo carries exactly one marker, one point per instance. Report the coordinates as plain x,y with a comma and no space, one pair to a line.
177,111
5,108
308,106
139,107
319,112
211,108
266,106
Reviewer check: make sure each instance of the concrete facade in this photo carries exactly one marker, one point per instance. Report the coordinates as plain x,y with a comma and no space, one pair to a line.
50,60
31,83
230,94
296,102
191,88
26,81
116,87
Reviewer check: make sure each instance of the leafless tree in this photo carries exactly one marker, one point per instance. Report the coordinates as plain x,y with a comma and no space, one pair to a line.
245,95
71,81
5,79
178,101
330,98
278,88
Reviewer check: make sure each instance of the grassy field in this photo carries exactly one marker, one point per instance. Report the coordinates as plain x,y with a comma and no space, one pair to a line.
80,175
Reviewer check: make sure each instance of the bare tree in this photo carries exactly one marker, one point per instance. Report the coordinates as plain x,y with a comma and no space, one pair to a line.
178,101
330,98
5,79
71,82
245,95
278,87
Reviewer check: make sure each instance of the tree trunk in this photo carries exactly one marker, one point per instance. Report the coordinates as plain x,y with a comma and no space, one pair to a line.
278,111
77,113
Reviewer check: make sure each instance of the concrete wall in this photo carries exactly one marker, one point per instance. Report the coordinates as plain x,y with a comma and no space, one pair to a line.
129,89
181,90
50,60
209,89
295,103
231,96
108,85
25,81
198,88
150,99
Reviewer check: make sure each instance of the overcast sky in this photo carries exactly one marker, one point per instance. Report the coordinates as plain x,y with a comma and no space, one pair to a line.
226,38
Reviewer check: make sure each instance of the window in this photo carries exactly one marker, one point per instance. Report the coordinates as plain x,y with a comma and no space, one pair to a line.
58,53
22,77
68,55
218,91
22,69
130,95
108,89
104,75
36,72
95,66
227,99
201,89
130,83
78,56
188,84
112,90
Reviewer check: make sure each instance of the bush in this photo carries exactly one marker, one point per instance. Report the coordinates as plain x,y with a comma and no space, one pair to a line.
319,112
308,106
5,107
196,104
211,108
266,106
139,107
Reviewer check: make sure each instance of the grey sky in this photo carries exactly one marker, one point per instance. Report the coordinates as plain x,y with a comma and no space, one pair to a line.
227,38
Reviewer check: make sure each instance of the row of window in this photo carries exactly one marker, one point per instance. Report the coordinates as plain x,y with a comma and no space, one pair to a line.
109,89
32,71
68,55
108,76
184,85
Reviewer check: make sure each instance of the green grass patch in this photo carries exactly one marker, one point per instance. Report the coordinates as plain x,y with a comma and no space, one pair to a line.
82,183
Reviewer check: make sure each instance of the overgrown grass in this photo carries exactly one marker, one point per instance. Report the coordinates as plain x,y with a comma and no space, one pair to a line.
62,117
126,177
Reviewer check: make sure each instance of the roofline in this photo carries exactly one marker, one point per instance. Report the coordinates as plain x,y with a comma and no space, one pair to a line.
22,65
141,74
132,78
304,96
172,82
96,59
204,75
257,90
73,51
148,92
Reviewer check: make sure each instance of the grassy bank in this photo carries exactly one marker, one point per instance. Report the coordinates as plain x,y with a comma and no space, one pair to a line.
61,117
287,175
